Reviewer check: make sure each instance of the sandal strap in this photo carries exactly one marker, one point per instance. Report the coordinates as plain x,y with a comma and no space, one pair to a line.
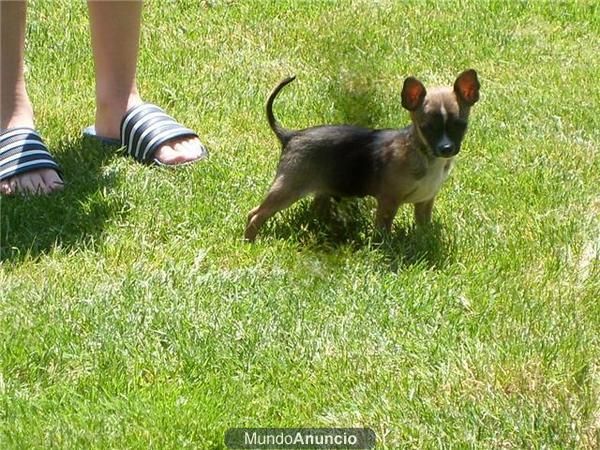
22,149
146,127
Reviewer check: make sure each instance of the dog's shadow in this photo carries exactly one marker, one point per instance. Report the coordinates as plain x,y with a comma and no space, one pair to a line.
349,224
409,245
70,219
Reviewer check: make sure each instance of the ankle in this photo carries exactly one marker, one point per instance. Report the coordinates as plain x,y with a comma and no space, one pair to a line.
16,114
114,102
110,111
116,96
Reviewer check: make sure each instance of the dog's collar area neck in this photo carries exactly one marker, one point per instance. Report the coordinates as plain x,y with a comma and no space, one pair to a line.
420,142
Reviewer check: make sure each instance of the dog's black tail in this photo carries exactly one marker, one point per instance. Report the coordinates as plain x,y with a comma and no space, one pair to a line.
282,134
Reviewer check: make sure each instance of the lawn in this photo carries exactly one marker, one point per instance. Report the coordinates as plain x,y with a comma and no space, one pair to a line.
133,315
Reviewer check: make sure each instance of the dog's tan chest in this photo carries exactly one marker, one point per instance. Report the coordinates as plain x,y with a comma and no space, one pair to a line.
426,187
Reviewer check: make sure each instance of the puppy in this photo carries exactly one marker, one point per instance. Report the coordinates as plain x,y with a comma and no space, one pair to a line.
395,166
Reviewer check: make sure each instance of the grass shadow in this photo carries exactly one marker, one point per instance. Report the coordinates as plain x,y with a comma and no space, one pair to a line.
73,218
349,224
355,100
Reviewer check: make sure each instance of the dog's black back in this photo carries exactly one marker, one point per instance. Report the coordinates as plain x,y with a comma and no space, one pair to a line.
348,157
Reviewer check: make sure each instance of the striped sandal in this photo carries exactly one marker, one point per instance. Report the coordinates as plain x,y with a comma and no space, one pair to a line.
144,129
23,150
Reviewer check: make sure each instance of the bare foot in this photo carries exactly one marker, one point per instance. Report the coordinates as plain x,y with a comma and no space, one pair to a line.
173,152
34,182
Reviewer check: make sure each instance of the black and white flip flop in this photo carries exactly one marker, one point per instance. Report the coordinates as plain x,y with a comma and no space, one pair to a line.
23,150
144,129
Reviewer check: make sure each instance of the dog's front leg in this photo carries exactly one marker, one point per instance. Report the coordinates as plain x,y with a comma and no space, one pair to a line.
387,207
423,212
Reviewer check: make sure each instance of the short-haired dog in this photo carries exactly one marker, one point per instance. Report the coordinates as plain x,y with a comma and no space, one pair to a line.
395,166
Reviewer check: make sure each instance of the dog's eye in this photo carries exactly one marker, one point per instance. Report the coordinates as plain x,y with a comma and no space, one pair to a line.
433,127
456,127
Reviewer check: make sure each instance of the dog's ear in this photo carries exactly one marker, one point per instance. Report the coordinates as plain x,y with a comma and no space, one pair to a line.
466,87
413,93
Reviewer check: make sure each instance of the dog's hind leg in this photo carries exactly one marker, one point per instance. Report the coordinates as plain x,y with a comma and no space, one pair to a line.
321,205
279,197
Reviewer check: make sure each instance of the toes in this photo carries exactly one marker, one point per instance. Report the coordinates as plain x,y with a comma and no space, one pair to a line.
180,151
5,188
52,182
195,148
30,183
14,186
183,152
43,181
166,155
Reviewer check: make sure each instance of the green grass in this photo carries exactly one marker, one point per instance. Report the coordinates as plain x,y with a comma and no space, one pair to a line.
132,314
